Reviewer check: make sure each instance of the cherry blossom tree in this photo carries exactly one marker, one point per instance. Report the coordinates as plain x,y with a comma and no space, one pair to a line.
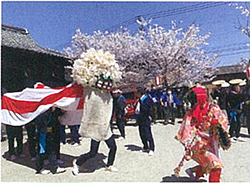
174,54
245,11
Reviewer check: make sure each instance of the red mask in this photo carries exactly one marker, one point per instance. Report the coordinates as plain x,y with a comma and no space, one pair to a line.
200,110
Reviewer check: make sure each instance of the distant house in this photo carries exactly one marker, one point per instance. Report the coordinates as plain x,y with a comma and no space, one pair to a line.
228,73
24,62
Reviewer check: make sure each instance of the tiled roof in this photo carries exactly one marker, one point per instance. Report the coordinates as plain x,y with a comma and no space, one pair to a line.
229,69
16,37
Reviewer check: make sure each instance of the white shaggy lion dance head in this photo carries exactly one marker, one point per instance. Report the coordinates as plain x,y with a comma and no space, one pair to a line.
94,66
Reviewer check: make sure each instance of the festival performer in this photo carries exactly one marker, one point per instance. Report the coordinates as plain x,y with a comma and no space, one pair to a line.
204,129
96,71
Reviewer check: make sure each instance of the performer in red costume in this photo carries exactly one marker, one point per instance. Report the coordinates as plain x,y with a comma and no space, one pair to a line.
204,129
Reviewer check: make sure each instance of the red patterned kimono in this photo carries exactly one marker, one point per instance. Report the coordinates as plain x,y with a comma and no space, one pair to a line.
202,132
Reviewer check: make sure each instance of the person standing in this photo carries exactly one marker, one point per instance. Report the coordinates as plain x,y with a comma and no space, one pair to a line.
164,103
48,141
72,120
234,100
180,107
75,137
31,133
119,109
246,93
144,110
223,99
172,105
154,93
15,132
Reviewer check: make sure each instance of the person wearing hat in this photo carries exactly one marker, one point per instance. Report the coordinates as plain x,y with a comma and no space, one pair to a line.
234,101
119,110
246,93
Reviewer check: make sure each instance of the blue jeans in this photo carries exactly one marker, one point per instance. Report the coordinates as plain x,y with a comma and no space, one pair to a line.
74,133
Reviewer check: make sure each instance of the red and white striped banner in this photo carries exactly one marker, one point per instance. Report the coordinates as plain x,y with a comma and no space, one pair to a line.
157,80
248,72
19,108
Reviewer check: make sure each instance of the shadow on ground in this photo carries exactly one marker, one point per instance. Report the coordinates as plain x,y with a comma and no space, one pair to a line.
116,136
132,147
244,135
90,166
173,178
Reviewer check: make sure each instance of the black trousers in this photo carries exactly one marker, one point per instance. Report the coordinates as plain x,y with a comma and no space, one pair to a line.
146,133
169,113
120,121
94,150
51,153
31,132
160,111
15,132
180,111
248,120
235,126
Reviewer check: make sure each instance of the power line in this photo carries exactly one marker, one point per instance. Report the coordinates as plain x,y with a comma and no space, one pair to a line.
229,49
161,14
228,45
194,8
237,53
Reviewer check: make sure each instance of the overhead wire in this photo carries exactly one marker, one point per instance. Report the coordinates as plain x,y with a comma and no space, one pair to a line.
175,11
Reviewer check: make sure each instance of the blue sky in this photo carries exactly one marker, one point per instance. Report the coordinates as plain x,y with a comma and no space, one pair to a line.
52,24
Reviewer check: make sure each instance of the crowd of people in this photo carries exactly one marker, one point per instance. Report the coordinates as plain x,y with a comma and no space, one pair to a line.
234,102
46,133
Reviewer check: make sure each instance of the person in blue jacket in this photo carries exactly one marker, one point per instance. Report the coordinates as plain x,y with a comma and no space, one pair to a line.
169,101
144,110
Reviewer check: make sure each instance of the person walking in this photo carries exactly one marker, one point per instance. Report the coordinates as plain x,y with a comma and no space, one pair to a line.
93,152
119,109
144,110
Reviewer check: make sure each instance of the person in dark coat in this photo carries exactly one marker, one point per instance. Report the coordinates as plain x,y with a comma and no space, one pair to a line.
48,141
119,109
234,100
145,112
246,93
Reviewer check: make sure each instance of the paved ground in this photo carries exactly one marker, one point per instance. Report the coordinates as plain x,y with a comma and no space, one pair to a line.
133,166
